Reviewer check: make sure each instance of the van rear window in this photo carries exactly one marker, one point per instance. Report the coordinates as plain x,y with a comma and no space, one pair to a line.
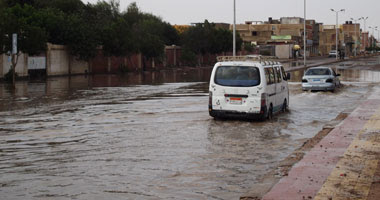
237,76
318,72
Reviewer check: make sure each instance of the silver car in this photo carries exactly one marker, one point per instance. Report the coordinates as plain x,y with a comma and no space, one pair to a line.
320,78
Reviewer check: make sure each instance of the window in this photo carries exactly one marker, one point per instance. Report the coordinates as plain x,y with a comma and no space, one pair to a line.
284,76
278,75
254,33
237,76
318,72
269,75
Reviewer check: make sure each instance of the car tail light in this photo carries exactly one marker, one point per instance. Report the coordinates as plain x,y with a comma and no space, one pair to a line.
329,80
304,81
263,99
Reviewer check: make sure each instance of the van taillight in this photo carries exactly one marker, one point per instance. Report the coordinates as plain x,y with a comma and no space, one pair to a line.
263,99
329,80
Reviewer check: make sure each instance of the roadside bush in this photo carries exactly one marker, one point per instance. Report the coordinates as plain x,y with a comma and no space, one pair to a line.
8,76
189,58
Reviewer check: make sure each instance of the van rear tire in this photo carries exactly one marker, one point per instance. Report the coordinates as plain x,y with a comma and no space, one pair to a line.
270,113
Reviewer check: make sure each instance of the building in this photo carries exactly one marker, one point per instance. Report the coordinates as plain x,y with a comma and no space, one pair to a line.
365,41
327,39
352,35
285,31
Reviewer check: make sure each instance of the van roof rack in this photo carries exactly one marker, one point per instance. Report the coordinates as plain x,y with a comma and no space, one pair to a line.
259,58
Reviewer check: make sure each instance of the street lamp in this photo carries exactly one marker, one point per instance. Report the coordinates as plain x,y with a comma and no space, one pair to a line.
356,39
365,23
234,31
378,36
336,12
304,33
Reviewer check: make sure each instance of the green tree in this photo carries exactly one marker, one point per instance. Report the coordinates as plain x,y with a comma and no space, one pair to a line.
151,33
66,6
80,37
31,38
205,38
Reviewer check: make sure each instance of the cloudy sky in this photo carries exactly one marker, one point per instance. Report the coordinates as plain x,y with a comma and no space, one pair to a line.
188,11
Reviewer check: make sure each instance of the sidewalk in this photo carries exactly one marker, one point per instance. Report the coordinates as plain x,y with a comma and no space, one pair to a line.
343,165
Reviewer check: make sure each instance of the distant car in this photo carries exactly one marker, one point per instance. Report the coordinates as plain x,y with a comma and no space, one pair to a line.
333,53
320,79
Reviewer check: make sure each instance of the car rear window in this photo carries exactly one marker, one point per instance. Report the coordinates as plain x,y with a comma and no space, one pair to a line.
237,76
318,72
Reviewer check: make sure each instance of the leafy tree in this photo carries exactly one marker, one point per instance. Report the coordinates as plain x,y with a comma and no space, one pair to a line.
66,6
80,37
118,39
205,38
31,38
248,47
151,34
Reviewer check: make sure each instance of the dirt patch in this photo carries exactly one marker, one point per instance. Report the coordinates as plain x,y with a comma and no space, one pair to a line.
270,179
374,192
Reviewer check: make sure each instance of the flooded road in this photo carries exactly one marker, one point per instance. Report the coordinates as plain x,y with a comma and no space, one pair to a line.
148,136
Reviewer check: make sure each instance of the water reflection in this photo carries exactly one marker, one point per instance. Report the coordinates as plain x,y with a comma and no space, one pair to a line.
56,89
348,75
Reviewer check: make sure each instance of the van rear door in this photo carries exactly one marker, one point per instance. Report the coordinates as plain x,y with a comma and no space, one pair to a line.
271,86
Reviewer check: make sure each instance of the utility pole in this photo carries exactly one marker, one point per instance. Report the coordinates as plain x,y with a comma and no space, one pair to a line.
337,21
304,34
234,31
14,59
365,23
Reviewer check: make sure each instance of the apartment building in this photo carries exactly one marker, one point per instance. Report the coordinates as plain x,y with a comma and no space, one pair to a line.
285,31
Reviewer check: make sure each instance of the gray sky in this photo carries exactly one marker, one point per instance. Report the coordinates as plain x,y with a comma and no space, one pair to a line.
188,11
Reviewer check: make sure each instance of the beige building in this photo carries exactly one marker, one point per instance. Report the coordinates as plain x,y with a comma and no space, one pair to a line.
327,39
262,33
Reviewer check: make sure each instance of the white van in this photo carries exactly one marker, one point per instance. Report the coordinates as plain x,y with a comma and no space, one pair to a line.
248,87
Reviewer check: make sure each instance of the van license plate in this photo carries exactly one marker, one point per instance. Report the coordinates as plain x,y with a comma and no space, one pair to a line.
236,101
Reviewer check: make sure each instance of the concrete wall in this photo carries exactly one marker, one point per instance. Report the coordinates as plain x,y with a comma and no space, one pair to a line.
291,20
59,62
78,66
284,51
21,67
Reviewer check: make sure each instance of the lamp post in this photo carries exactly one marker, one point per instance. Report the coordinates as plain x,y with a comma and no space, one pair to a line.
356,39
234,31
304,34
377,40
378,36
336,12
365,23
